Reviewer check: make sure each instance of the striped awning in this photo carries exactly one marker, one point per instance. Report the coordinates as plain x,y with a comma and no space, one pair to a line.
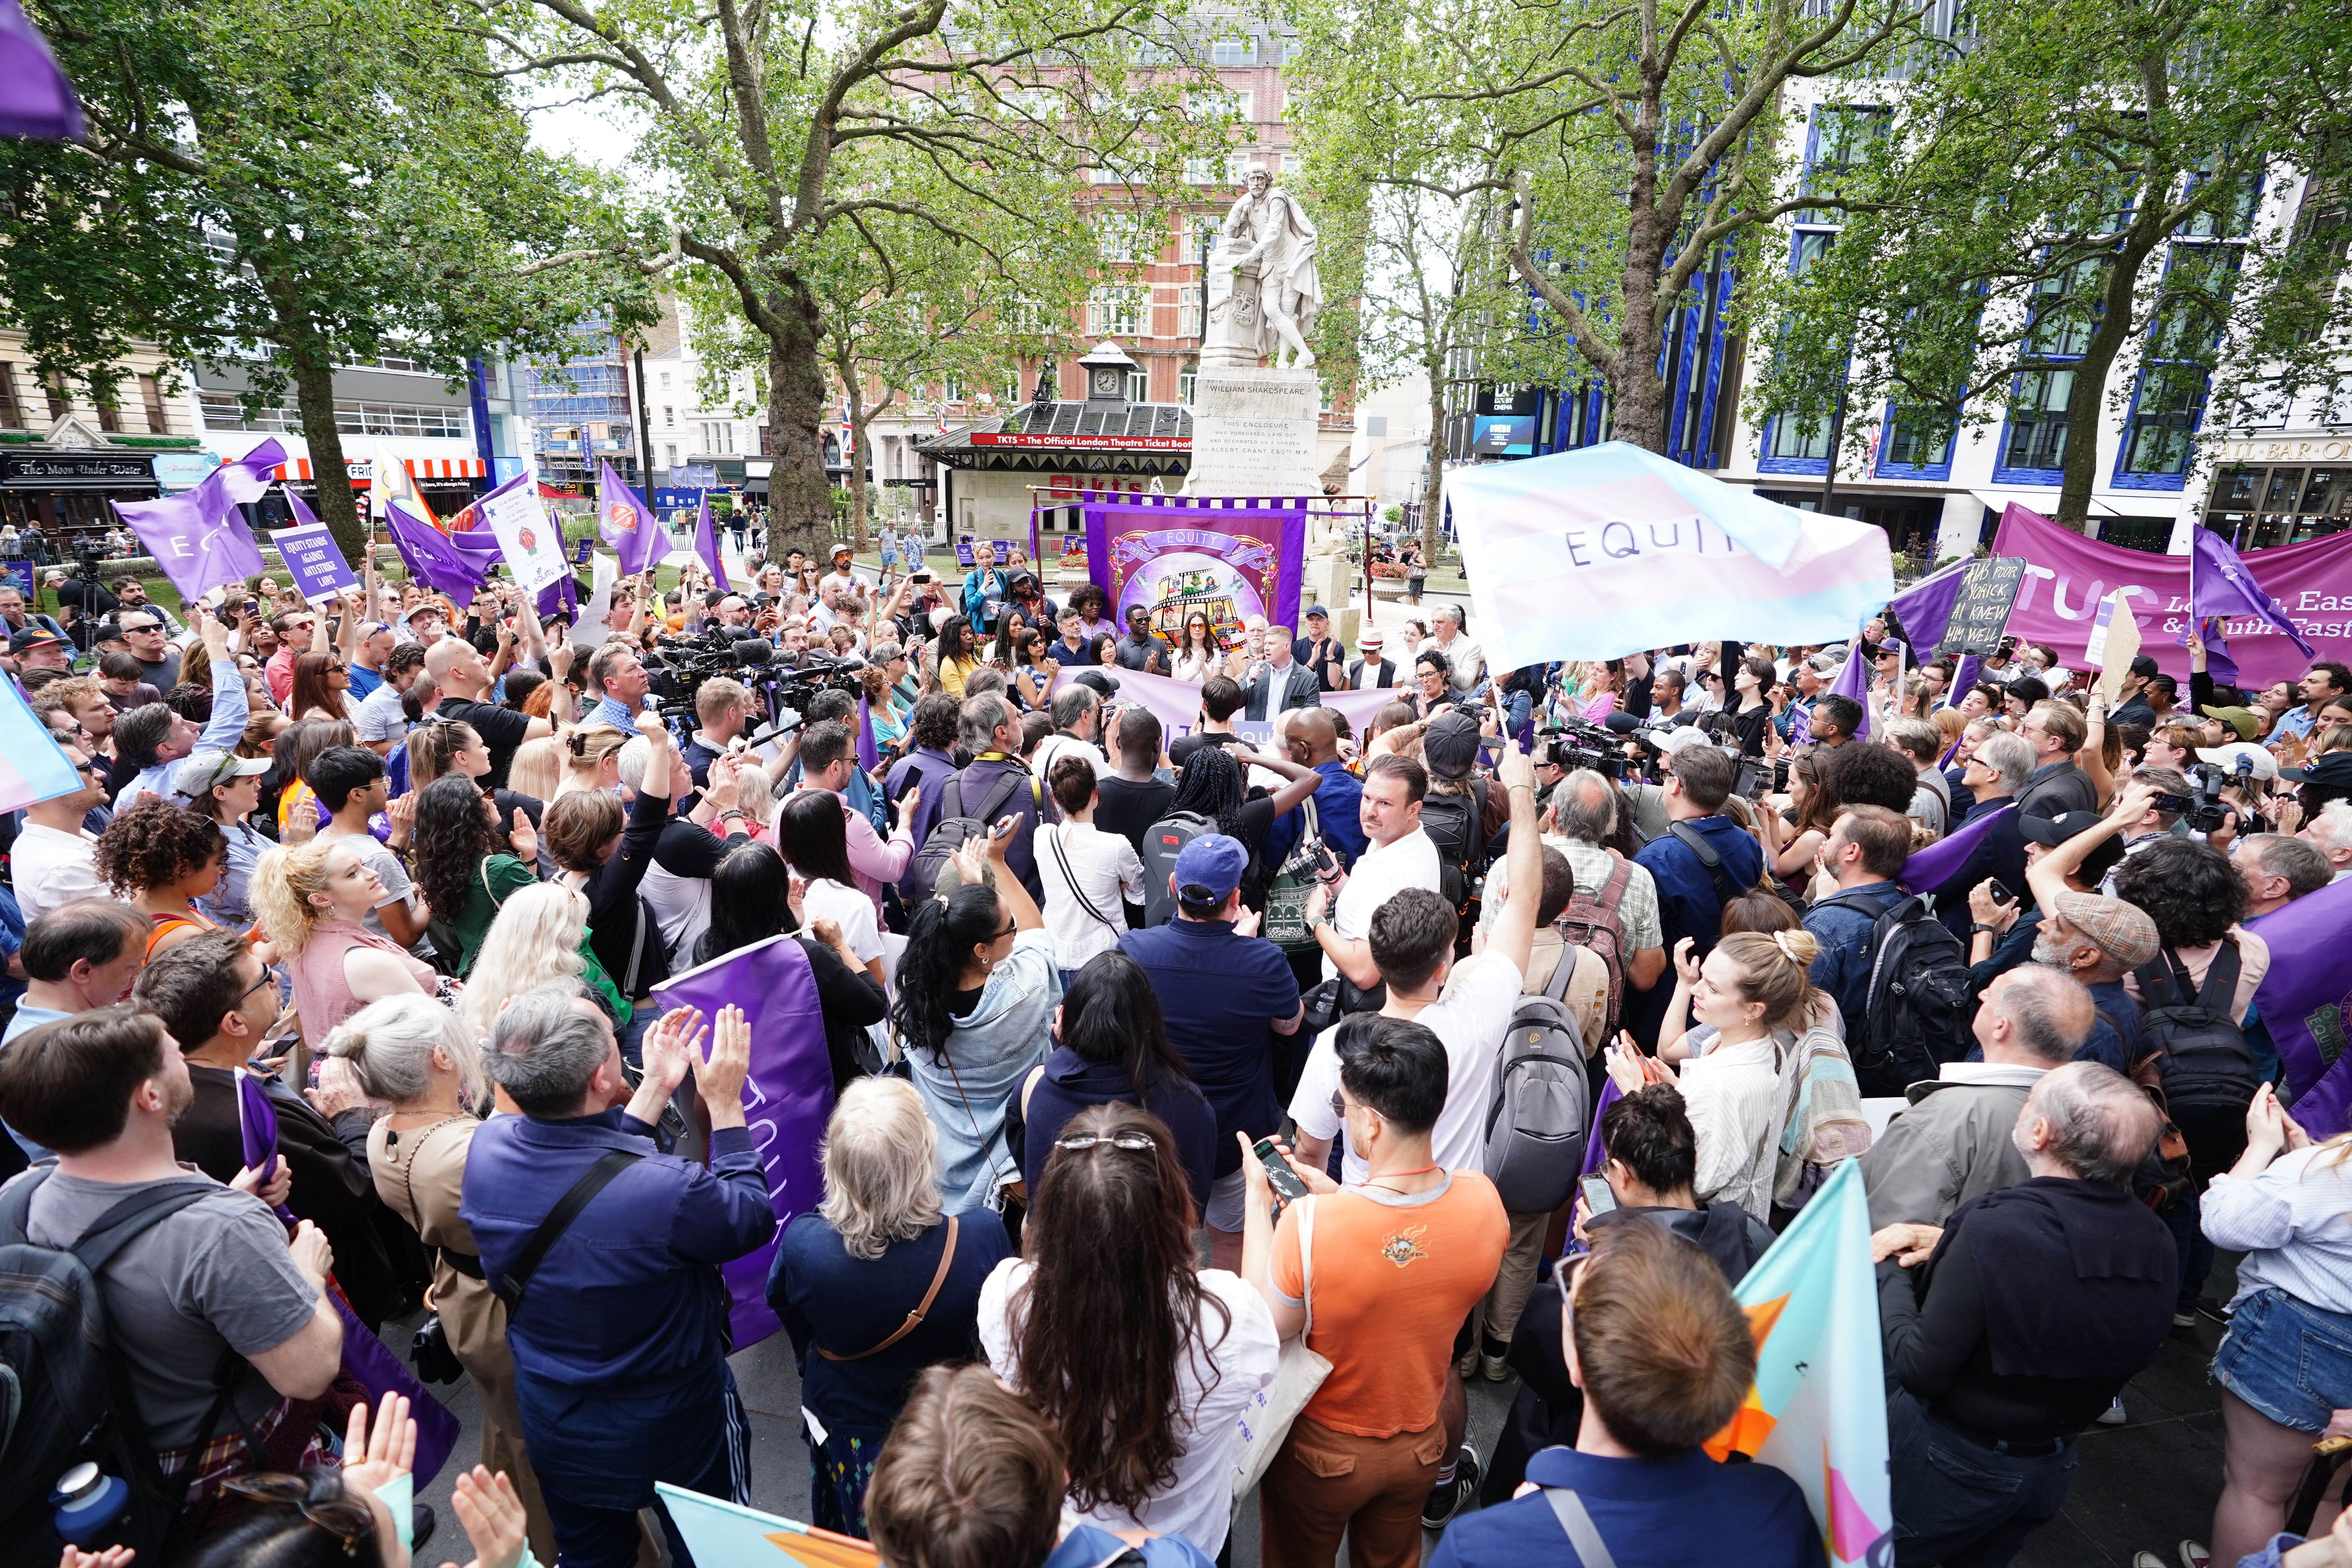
419,469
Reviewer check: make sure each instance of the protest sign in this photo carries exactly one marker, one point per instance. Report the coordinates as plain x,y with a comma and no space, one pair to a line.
532,545
2114,643
1175,556
318,568
1980,614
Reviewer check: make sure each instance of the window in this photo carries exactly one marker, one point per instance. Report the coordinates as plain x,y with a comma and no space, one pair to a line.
1188,377
110,414
1115,309
2163,425
1795,437
1842,138
1102,175
665,381
152,396
1201,232
1138,385
1123,237
2037,421
392,362
399,420
1292,163
1205,171
60,400
2231,214
1920,438
2066,306
718,438
669,455
11,411
1187,311
1225,104
1232,51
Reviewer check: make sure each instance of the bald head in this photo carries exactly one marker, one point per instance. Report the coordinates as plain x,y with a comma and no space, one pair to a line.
2087,1121
2034,1017
1584,807
456,669
1314,733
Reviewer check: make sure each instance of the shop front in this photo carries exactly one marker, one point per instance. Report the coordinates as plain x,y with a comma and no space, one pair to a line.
63,487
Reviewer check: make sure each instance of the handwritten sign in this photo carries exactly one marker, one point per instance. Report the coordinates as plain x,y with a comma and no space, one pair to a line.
311,559
1987,591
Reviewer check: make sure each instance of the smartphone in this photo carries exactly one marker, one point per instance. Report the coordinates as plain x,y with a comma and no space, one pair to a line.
1287,1187
1599,1197
2000,893
922,576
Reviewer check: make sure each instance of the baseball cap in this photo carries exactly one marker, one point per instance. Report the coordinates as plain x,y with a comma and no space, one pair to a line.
1449,745
1107,685
2257,761
33,637
2143,667
2242,719
203,770
1682,735
2122,930
1318,610
2052,831
1212,864
1889,646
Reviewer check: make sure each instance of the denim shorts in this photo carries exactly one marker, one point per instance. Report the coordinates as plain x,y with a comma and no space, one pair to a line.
2289,1360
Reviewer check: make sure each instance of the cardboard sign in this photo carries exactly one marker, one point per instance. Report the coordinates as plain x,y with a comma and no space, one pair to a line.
1980,615
530,541
2113,644
311,559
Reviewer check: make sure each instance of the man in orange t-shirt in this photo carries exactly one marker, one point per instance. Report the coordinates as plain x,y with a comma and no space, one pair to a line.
1399,1259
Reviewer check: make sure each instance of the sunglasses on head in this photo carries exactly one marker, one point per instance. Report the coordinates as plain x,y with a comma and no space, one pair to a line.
348,1519
1133,1143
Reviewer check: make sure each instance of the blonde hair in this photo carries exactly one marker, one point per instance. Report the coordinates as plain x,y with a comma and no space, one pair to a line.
535,938
584,751
537,768
389,1044
881,1167
283,882
1775,969
752,793
433,746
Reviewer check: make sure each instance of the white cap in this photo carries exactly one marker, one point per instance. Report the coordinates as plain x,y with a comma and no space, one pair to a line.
1682,735
2258,762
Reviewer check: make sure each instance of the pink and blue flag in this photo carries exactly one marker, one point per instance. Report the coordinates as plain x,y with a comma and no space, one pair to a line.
628,524
199,537
33,767
706,546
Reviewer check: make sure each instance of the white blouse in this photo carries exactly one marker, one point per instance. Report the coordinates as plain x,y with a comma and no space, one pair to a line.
1732,1096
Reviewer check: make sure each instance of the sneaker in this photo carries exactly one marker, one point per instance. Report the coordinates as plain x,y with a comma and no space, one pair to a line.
420,1525
2184,1319
2194,1555
2148,1560
1495,1368
1446,1503
2114,1415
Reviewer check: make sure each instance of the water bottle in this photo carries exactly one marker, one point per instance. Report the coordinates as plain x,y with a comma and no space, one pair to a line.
89,1504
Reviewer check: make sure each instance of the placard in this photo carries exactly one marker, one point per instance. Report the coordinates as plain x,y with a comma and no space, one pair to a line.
533,545
580,551
311,559
1980,615
2114,643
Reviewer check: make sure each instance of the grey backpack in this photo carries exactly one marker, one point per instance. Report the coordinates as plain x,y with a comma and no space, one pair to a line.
1535,1120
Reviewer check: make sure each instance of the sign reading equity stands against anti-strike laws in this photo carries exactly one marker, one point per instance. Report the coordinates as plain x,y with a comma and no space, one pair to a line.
311,559
1986,592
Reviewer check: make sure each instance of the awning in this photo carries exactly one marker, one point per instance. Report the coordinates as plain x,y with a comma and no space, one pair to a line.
422,470
2043,500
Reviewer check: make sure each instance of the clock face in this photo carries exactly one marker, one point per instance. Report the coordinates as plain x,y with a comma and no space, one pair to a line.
1107,382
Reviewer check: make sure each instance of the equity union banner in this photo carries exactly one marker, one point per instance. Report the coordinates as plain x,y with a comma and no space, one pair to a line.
1179,557
1611,549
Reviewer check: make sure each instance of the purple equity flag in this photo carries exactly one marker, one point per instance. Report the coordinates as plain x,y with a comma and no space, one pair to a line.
198,537
35,100
457,564
2220,588
787,1099
1853,682
868,752
2305,1002
1939,862
628,524
706,548
1926,609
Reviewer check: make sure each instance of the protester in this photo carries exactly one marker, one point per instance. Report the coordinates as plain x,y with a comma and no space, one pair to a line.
1866,852
750,902
1130,800
310,901
875,1284
1691,894
78,957
1397,855
54,860
226,788
163,858
469,860
1090,876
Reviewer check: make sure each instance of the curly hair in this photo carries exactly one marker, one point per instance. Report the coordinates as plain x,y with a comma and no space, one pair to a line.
452,836
154,844
1211,784
2189,889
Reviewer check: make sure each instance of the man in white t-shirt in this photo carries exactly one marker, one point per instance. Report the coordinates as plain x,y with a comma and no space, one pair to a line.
1468,1006
1397,855
55,858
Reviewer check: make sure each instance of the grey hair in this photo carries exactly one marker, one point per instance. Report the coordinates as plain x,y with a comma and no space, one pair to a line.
1072,703
390,1044
1584,807
1825,663
2052,1013
546,1046
2102,1125
2304,866
2009,755
1917,738
2331,828
883,653
881,1159
977,721
139,734
1449,612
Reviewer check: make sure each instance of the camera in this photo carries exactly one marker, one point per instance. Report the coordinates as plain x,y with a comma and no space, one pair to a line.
2208,813
1580,743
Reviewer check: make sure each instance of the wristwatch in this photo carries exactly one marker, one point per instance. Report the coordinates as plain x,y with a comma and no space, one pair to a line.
1980,925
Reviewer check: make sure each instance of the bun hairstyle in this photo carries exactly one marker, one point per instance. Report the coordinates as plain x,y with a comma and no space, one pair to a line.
586,748
1775,969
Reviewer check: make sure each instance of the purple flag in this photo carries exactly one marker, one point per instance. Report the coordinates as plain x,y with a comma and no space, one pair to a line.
35,100
452,563
366,1359
1939,862
868,752
2305,1002
1964,675
787,1099
2220,588
198,537
706,546
303,516
1926,609
1595,1156
628,525
1853,682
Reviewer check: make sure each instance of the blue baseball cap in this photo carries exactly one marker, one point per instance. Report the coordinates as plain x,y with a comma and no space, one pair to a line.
1214,863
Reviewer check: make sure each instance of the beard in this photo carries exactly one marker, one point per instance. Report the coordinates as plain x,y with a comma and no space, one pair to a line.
2050,955
182,1094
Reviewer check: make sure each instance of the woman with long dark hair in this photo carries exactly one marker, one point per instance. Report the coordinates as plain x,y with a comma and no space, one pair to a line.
954,655
814,839
1212,784
468,862
320,679
1198,657
750,902
1141,1359
1114,1046
977,986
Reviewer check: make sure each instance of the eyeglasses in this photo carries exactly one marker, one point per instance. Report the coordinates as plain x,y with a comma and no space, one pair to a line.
1009,927
1133,1143
348,1519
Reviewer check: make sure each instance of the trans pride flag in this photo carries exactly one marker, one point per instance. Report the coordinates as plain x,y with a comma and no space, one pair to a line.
1818,1410
33,767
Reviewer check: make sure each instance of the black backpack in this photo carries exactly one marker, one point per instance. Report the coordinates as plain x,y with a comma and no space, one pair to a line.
2207,1071
64,1398
1162,842
951,833
1456,824
1919,995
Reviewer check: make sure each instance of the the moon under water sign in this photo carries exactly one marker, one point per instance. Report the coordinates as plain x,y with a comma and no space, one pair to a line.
1229,563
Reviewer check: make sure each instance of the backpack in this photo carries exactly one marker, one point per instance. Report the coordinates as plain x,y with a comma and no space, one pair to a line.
64,1399
1456,824
1537,1116
951,832
1919,995
1162,842
1590,922
2206,1070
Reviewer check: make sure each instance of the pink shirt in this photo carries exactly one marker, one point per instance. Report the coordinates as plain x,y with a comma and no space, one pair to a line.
280,671
873,861
322,995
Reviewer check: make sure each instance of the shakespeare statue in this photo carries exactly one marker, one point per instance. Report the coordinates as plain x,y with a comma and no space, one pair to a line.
1262,289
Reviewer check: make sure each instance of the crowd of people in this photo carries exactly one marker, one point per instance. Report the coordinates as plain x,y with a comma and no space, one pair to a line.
1166,1065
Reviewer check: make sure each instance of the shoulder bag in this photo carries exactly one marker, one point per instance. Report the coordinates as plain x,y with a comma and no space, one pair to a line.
914,1319
1266,1421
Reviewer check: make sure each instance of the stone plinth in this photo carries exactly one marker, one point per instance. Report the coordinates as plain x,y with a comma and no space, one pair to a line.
1253,432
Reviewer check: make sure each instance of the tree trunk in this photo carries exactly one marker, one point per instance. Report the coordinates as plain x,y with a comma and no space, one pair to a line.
1638,392
800,498
2088,396
1432,490
314,400
859,460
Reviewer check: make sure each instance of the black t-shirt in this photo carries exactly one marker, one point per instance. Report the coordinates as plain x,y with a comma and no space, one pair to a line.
1129,808
1181,751
502,730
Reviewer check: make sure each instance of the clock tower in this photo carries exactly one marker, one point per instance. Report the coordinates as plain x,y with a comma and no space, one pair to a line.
1106,368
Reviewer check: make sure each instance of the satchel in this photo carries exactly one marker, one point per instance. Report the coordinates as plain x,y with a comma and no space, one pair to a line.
1293,888
1266,1421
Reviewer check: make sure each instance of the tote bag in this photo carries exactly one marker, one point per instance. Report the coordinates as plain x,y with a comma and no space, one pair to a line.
1265,1420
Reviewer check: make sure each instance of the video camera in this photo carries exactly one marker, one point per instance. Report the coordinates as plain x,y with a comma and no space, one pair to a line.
2208,811
1581,743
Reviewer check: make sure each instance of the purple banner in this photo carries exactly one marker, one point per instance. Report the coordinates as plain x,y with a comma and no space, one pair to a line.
1939,863
1228,562
787,1099
2305,1002
457,564
311,559
2067,575
628,525
199,537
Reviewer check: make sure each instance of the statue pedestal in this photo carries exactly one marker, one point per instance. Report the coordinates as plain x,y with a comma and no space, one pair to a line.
1253,432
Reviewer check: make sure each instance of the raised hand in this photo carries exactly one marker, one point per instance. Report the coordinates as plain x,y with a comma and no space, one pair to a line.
376,1454
722,1077
523,837
493,1517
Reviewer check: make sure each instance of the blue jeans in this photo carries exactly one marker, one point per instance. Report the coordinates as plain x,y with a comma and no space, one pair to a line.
1960,1503
2288,1358
598,1457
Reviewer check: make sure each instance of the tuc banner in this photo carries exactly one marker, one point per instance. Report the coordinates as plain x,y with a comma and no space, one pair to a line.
2066,575
1175,556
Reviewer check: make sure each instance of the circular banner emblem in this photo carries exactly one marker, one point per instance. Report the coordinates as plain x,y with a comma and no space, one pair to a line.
623,516
530,541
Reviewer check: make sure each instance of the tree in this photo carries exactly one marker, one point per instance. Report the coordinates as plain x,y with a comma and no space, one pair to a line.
321,183
791,136
2130,144
1625,144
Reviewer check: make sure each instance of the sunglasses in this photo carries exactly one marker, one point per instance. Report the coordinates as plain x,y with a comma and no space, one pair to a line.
1133,1143
347,1519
